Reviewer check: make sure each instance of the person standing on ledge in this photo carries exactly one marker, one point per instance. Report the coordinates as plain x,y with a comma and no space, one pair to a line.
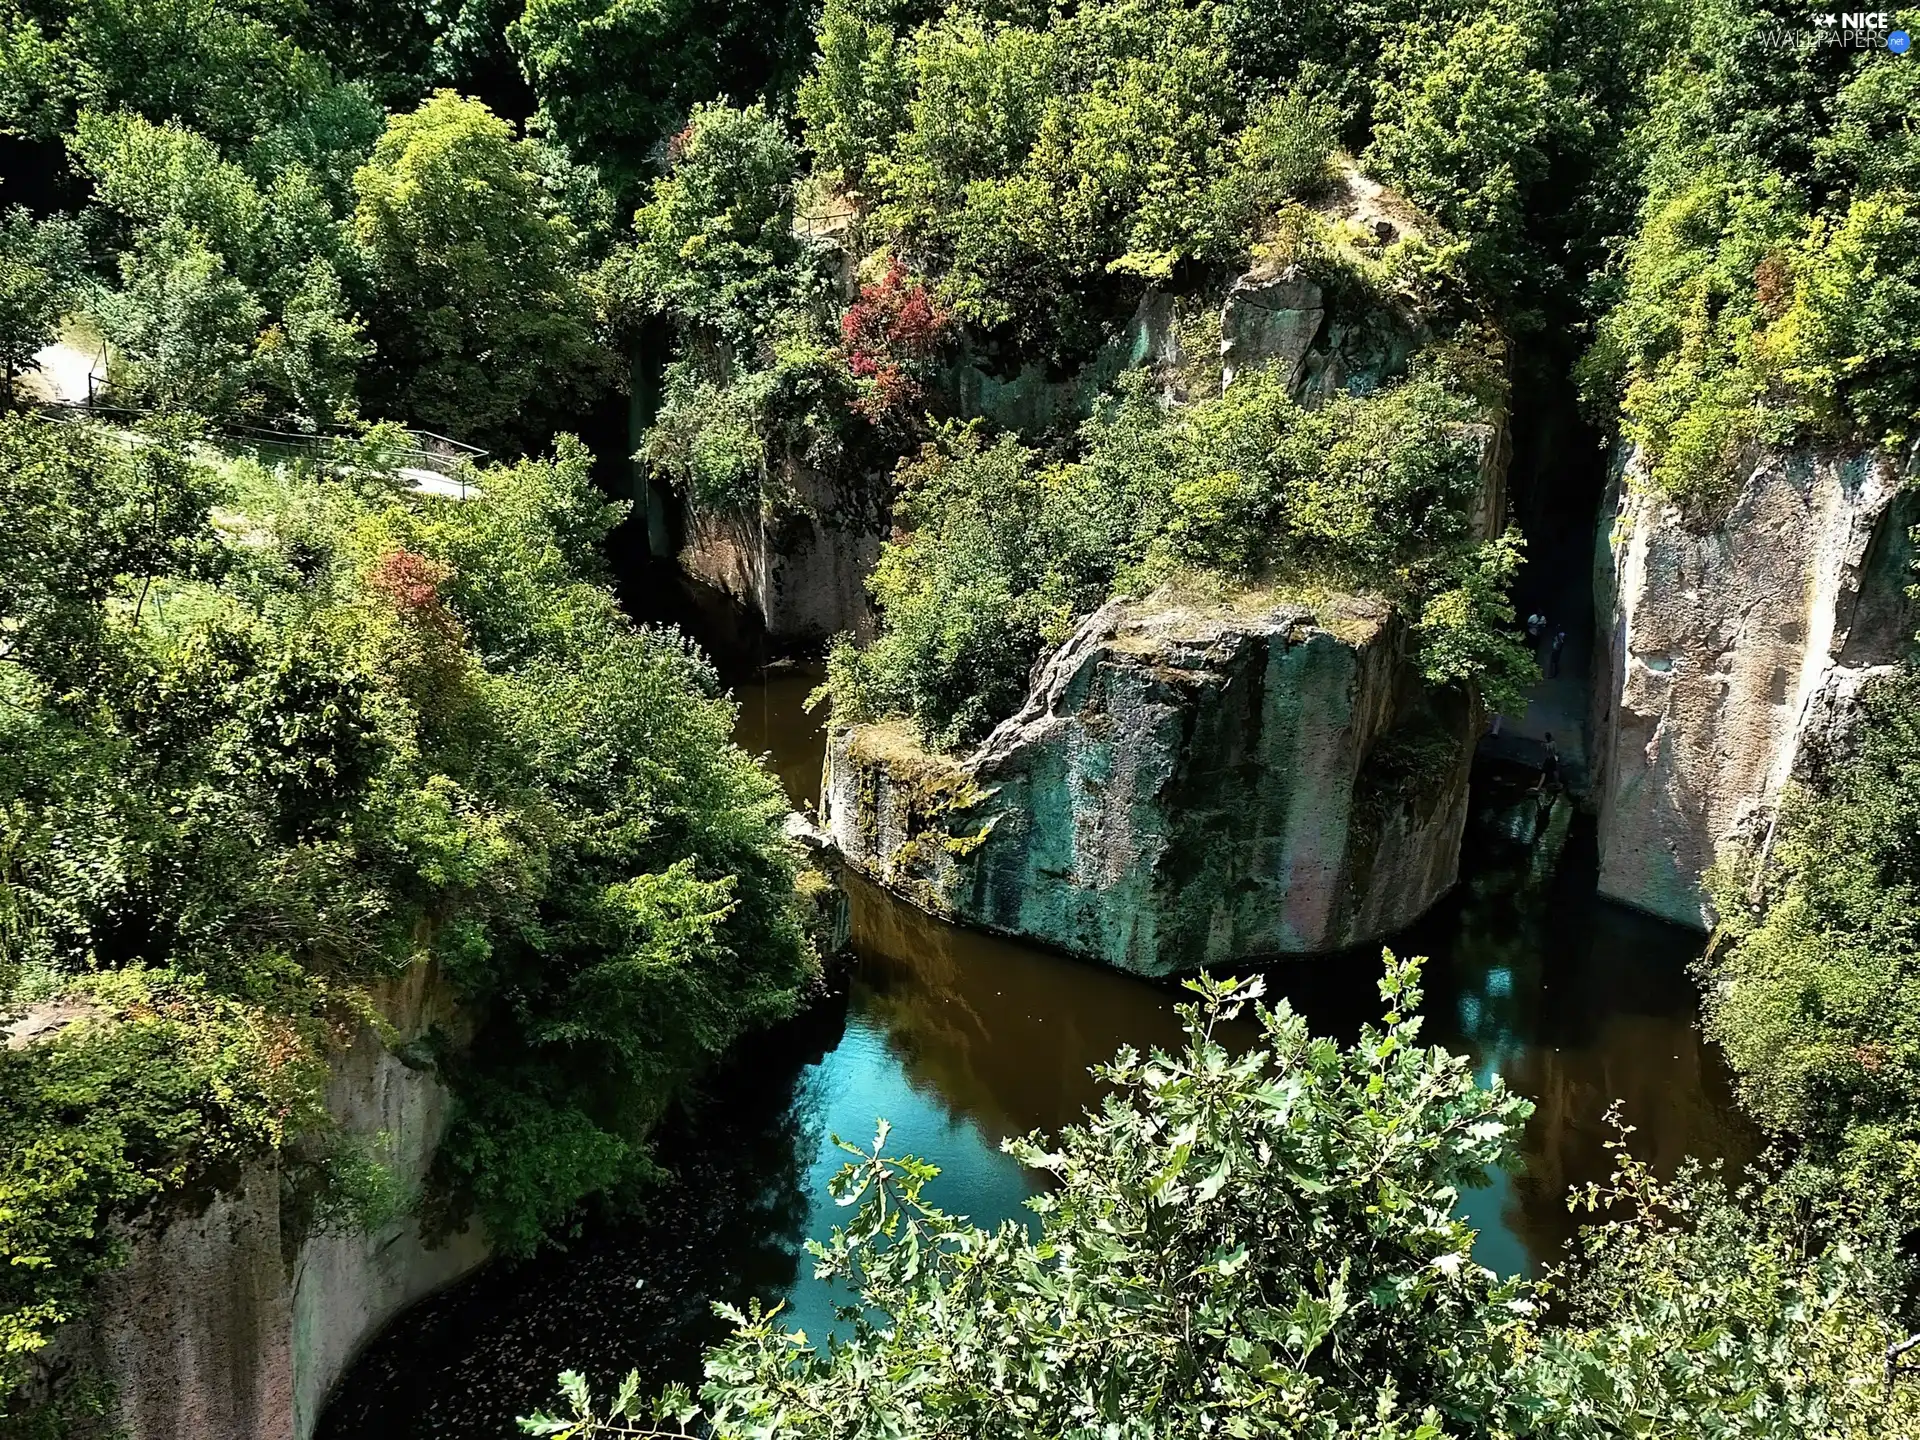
1550,766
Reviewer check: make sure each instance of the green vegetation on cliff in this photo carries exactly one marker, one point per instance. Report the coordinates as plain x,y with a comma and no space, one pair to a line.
266,736
1006,550
1813,982
1008,187
1771,289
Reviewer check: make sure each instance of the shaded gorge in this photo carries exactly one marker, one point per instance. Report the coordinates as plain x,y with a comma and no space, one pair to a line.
960,1038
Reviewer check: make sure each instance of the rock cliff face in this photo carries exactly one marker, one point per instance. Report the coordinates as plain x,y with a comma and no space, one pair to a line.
803,572
1187,783
220,1327
1728,656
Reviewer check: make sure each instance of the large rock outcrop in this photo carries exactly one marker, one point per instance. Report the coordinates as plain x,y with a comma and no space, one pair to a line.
802,572
1728,656
1188,783
222,1325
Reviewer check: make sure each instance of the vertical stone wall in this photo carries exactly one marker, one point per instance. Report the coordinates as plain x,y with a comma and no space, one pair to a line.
222,1327
803,571
1727,650
1187,784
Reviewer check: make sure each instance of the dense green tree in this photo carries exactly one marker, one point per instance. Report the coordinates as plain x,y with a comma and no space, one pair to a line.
1466,117
267,737
92,524
312,357
230,71
1000,553
39,272
854,99
482,325
182,325
615,78
714,245
147,175
1023,161
34,82
1814,983
230,300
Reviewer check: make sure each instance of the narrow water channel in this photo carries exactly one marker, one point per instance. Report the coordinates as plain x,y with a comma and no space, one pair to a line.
959,1039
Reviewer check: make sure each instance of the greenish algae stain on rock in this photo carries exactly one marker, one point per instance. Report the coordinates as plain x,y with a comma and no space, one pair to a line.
1187,784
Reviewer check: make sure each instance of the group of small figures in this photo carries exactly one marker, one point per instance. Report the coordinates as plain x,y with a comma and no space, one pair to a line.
1536,632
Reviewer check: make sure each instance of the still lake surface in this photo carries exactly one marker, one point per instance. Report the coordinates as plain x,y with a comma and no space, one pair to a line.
960,1039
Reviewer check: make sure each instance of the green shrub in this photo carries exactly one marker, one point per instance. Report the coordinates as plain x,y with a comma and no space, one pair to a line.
1814,979
722,443
1768,293
1264,1242
1023,163
1003,550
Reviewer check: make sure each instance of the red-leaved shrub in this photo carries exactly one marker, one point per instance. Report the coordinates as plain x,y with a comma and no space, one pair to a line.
891,333
411,581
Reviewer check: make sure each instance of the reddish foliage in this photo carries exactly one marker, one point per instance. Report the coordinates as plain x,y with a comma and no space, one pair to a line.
410,581
890,333
1773,282
677,146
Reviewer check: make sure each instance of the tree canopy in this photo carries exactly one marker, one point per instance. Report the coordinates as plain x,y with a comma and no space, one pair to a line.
268,737
484,324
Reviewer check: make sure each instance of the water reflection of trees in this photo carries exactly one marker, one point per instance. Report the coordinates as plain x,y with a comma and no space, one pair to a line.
1578,1003
629,1294
1001,1033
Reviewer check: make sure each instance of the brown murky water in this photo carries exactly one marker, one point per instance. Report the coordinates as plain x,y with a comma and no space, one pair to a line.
959,1039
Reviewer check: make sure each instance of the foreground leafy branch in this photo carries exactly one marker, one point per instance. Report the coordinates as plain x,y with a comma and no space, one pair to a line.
1261,1239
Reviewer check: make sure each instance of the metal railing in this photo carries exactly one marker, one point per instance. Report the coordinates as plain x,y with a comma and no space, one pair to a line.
452,460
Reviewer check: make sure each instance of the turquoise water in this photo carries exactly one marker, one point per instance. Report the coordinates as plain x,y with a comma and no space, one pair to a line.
960,1039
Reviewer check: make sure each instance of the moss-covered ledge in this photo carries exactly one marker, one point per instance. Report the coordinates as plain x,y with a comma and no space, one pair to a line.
1189,783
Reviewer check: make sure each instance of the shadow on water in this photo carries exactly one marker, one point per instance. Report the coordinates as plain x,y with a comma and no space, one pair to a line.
960,1038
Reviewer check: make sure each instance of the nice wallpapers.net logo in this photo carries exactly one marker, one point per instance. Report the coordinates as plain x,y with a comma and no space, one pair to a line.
1845,29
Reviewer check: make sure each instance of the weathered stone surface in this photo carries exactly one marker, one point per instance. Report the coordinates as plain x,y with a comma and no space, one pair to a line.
346,1287
1282,320
803,572
1270,321
1728,656
193,1331
1033,401
1188,783
214,1330
1279,316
